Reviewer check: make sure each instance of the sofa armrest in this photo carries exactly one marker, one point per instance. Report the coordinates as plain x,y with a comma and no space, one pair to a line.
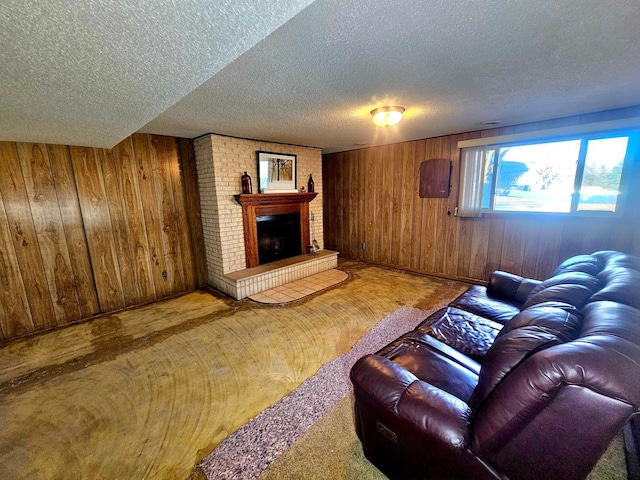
441,417
510,287
437,414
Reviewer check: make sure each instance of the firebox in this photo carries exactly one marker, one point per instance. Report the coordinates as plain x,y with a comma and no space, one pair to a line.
278,237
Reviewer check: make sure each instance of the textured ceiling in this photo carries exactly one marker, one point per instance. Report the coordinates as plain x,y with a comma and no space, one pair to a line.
93,74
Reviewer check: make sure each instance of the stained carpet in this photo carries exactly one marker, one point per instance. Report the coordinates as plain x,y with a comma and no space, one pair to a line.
150,392
310,435
250,450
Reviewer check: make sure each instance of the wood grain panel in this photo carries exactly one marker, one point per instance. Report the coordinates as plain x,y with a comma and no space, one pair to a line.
15,319
407,184
71,216
466,231
549,240
387,204
119,228
479,249
192,204
449,150
417,210
370,205
180,214
134,221
341,213
164,198
38,180
97,224
328,192
24,237
352,213
397,177
151,215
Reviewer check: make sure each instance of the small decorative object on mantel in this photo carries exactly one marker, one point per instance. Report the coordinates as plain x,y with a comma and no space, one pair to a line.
246,184
310,185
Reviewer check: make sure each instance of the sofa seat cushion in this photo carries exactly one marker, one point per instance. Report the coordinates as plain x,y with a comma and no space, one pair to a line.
466,332
476,301
432,362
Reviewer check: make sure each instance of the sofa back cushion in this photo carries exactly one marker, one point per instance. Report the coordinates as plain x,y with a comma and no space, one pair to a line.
574,288
581,263
619,285
532,330
617,259
583,390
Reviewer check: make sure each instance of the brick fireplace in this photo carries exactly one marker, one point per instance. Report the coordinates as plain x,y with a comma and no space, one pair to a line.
221,161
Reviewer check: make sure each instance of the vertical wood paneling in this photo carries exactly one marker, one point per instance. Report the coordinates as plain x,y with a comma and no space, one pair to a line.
25,241
329,196
98,227
466,241
417,246
164,198
67,196
449,149
16,317
386,204
38,180
479,257
351,210
549,238
341,214
134,221
119,226
180,214
407,183
151,215
192,204
370,227
395,237
420,235
86,230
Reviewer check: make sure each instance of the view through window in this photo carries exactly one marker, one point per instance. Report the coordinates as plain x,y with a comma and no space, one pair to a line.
579,174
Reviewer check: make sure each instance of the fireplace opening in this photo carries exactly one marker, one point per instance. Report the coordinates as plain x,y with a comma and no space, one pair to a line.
278,237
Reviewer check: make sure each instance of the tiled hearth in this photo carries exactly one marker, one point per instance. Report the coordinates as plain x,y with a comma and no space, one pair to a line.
250,281
298,289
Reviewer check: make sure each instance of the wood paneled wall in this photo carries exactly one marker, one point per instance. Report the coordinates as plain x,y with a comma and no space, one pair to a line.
85,231
371,198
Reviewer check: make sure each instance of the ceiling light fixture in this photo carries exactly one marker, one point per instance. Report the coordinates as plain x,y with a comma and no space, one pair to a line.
386,116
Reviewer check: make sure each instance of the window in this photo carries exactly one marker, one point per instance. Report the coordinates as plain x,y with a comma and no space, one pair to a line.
582,174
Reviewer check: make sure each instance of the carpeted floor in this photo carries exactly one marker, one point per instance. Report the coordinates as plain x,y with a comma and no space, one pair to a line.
250,450
310,433
150,392
330,450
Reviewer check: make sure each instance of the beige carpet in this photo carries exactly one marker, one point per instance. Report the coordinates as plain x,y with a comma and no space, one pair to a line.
148,393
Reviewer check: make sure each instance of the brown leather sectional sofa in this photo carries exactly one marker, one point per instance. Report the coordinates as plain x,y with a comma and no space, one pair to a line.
522,379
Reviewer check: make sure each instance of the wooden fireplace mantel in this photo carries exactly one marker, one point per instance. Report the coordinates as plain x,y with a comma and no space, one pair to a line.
273,198
258,204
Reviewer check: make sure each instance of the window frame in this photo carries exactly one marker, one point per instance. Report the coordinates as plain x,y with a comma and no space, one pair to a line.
630,157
